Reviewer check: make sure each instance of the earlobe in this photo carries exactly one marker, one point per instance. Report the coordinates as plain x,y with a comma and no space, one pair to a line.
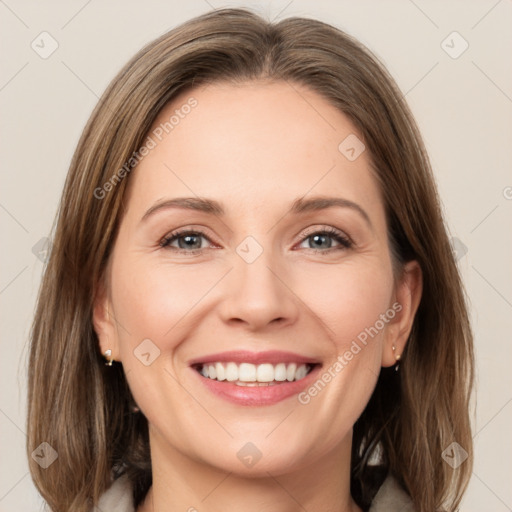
104,325
408,296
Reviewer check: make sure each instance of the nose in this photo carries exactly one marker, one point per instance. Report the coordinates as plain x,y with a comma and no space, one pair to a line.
259,294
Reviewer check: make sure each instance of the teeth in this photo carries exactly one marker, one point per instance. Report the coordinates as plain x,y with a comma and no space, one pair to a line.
301,372
221,372
280,372
254,384
231,372
247,374
264,373
290,372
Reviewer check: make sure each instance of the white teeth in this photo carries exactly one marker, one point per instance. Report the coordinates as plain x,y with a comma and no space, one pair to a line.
247,374
265,373
301,372
280,372
231,372
221,373
290,372
254,384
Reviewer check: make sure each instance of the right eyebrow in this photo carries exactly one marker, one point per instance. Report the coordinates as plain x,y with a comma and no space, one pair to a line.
188,203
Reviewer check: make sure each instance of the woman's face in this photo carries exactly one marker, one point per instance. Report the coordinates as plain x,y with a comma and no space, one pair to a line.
275,279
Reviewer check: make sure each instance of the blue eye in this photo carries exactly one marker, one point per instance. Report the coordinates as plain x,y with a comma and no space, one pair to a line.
318,237
190,241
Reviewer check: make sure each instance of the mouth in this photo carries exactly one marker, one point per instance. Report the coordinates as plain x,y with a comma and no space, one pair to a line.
251,375
255,378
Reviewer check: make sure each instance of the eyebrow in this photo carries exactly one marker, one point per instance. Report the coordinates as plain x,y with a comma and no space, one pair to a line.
298,206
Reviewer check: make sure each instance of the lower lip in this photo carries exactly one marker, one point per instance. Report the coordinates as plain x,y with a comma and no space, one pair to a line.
258,395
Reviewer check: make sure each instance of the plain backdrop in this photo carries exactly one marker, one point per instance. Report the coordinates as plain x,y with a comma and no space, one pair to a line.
459,87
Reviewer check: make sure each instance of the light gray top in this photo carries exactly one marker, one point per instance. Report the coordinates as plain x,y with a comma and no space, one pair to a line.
389,498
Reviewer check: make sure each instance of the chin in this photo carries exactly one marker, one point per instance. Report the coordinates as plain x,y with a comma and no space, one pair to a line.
256,458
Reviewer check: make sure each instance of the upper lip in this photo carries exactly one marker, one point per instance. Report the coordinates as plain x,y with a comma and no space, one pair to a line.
247,356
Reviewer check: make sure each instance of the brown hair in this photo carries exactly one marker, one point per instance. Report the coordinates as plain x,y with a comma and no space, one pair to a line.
83,409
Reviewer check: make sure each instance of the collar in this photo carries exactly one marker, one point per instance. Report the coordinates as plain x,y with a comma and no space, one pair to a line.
389,498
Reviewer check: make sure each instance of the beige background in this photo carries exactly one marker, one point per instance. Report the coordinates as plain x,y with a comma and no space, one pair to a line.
463,106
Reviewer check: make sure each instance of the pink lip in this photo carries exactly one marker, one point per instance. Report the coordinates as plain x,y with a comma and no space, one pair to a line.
258,395
246,356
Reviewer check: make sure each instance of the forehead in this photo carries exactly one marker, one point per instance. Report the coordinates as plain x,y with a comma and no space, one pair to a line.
255,144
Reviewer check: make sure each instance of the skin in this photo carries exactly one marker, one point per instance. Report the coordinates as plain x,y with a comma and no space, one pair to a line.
254,147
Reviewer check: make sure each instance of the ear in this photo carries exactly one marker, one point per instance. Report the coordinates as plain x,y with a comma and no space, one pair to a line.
104,322
408,296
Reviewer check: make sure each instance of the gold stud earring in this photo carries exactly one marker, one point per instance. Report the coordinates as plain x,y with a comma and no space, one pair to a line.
108,356
108,353
397,366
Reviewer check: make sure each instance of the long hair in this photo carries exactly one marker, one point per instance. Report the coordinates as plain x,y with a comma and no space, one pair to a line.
82,409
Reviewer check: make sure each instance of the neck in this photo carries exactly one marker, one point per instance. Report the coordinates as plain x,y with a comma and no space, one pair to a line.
183,483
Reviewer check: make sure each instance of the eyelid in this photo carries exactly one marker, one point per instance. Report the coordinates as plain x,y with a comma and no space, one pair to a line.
326,228
177,233
344,241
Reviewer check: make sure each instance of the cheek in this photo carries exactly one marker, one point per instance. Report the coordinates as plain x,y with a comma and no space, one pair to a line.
155,300
349,299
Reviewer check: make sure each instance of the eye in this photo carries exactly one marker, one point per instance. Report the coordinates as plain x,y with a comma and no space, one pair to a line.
188,241
320,239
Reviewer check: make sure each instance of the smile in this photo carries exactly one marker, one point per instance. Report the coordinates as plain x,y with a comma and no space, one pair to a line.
248,374
250,378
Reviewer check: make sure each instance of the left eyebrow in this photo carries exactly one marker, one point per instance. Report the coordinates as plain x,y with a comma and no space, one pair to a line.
318,203
299,205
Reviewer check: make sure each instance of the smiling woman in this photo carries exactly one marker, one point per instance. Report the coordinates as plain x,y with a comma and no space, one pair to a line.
270,281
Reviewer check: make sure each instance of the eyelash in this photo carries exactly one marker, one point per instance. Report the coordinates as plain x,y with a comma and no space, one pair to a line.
344,241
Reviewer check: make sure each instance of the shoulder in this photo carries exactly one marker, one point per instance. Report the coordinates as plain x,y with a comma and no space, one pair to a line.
391,497
118,497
